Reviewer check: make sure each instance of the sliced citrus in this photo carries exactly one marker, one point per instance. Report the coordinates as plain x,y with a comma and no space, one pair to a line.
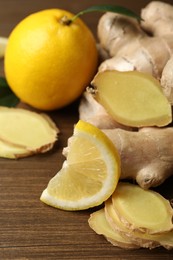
89,174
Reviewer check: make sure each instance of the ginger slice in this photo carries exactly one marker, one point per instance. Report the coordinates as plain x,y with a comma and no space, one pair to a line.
141,239
99,224
132,98
141,210
91,111
3,44
13,151
27,132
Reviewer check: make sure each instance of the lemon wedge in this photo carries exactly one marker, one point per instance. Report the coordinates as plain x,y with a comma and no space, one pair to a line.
90,173
3,44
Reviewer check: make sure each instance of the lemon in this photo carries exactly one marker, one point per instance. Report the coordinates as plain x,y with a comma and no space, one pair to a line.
48,63
89,174
3,44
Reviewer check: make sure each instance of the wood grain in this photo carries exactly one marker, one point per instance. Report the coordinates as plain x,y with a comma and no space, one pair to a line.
30,229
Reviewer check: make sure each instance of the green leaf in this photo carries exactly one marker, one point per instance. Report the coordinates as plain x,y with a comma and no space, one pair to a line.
7,97
108,8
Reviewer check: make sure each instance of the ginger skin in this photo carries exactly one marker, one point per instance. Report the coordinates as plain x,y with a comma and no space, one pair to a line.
145,47
167,80
146,155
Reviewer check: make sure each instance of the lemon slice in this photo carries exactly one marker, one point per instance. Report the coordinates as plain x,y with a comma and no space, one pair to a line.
89,174
3,44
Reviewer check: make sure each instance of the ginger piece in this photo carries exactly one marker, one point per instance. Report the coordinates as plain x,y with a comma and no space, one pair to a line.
23,132
156,52
136,60
150,56
99,224
13,151
153,218
136,237
157,18
132,98
129,44
94,113
146,155
167,80
3,44
116,31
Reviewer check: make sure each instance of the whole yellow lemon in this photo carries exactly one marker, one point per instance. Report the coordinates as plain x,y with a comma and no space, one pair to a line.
48,62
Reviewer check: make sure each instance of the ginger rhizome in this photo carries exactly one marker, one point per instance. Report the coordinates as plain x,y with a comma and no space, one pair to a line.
146,155
146,47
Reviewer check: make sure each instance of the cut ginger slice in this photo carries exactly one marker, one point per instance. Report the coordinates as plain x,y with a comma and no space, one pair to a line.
13,151
3,44
99,224
132,98
89,174
24,132
164,239
145,211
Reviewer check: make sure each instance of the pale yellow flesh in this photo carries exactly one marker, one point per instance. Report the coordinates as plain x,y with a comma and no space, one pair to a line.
141,239
26,129
82,175
99,224
12,152
132,98
142,210
89,174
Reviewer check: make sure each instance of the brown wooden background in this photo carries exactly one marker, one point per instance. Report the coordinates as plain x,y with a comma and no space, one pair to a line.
28,228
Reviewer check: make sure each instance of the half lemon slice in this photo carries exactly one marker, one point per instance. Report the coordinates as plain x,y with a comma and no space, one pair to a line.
90,173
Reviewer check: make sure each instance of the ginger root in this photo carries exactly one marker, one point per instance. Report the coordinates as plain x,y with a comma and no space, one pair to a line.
146,155
167,80
157,18
129,46
145,46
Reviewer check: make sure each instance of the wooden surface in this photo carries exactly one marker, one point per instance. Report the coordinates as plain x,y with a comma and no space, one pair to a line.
30,229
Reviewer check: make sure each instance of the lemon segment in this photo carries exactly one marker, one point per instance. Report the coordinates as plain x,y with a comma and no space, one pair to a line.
90,173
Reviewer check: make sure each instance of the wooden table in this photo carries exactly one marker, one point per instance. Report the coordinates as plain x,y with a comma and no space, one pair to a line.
30,229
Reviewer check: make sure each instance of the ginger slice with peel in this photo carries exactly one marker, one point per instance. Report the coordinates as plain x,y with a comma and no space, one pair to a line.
132,98
141,239
99,224
145,211
13,151
3,44
24,132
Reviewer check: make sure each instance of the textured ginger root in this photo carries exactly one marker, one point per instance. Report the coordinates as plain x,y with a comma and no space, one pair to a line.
146,155
157,18
167,80
129,44
129,47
